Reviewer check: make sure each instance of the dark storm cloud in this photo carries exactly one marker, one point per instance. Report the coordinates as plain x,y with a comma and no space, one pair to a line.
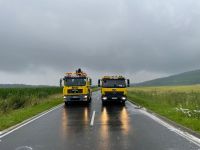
107,35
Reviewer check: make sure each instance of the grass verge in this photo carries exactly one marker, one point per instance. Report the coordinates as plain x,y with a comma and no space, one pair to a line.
14,117
94,89
31,106
178,103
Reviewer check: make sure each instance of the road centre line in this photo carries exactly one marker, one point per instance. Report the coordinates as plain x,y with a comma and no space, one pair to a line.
92,119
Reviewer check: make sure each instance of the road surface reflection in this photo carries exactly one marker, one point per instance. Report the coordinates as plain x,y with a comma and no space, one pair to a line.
74,117
114,120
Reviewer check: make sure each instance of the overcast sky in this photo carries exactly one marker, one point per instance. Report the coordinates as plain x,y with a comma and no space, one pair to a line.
141,39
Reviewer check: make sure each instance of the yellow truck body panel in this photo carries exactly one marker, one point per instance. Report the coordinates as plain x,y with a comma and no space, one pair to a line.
77,87
113,88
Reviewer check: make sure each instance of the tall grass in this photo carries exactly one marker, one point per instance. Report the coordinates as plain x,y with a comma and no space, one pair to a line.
15,98
179,103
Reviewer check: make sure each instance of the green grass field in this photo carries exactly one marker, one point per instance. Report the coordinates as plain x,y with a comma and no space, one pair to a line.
16,98
19,104
178,103
95,88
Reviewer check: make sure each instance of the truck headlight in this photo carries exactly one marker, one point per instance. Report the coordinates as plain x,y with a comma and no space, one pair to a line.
85,96
123,98
104,98
64,97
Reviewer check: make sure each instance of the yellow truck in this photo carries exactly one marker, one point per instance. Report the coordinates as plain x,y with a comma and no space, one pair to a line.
113,88
77,87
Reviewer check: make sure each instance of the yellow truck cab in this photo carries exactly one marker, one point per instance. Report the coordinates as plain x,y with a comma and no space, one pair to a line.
77,87
113,88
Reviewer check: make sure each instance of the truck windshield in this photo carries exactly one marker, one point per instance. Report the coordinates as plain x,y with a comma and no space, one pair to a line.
75,81
114,83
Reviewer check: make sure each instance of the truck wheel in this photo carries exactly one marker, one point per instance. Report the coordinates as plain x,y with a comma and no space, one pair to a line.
103,103
123,103
88,103
89,100
66,103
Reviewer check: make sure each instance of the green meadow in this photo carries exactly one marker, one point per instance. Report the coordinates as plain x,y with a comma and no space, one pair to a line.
177,103
19,104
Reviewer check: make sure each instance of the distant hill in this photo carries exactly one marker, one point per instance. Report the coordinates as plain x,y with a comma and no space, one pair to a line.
186,78
20,86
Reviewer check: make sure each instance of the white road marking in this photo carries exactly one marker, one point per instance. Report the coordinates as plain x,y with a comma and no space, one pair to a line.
185,135
24,148
35,118
92,120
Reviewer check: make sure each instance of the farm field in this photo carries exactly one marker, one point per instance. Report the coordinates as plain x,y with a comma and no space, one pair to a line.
178,103
18,104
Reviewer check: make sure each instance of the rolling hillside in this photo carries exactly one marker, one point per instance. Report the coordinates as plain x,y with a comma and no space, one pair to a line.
186,78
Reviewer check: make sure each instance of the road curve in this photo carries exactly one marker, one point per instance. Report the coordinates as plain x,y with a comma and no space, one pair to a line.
80,127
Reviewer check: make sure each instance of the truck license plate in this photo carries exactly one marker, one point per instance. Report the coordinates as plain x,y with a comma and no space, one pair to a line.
75,97
114,97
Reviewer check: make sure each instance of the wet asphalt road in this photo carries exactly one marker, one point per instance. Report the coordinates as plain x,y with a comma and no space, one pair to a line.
115,127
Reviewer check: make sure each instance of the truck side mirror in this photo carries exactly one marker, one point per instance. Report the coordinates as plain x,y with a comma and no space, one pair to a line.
90,81
128,83
60,82
99,83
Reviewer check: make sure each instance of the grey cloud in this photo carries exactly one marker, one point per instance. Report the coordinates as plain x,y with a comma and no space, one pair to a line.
108,36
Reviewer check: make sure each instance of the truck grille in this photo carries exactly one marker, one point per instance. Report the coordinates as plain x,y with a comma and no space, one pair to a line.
114,94
75,91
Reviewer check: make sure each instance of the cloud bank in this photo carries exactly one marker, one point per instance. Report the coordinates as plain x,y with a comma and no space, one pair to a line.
132,37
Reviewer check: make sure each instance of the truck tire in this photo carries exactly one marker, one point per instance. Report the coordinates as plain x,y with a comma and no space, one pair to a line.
87,103
103,103
90,98
123,103
66,103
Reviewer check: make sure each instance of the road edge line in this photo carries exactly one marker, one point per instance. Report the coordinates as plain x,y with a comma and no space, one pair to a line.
179,131
27,121
171,122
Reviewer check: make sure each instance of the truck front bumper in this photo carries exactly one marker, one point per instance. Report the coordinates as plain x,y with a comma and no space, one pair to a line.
110,98
76,98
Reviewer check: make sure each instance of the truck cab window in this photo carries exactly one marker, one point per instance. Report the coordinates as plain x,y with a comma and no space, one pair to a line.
114,83
75,81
